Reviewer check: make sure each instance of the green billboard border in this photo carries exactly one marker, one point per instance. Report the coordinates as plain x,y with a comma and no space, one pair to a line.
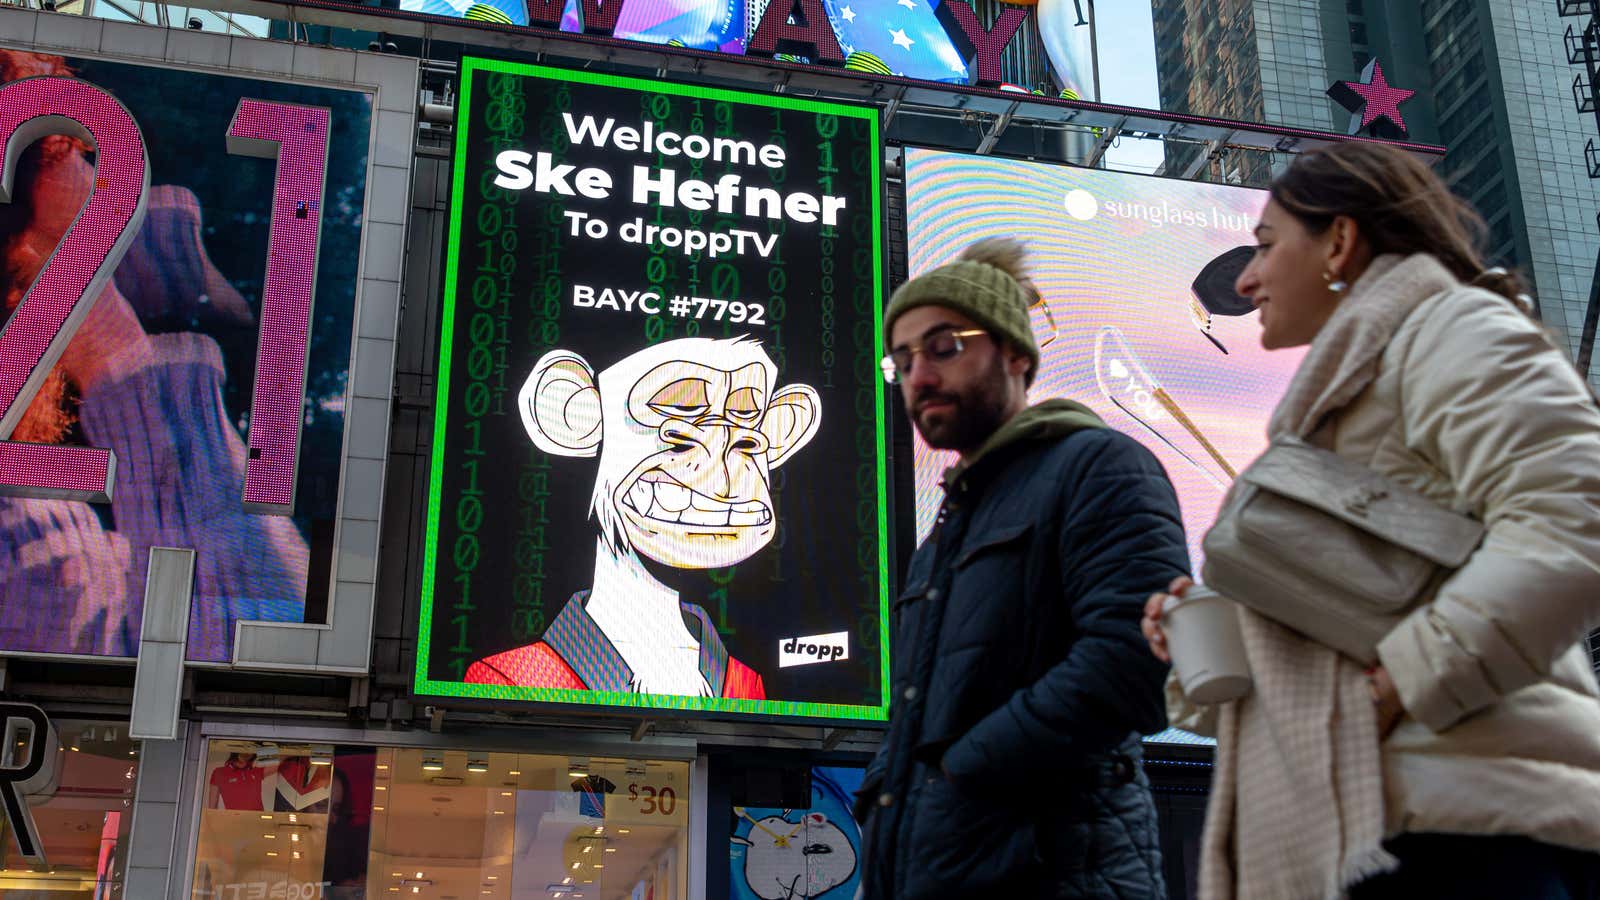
422,684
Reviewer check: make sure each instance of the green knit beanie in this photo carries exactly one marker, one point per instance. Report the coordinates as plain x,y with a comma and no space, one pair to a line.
986,294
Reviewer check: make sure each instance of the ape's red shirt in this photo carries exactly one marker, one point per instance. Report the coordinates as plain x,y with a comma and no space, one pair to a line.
576,655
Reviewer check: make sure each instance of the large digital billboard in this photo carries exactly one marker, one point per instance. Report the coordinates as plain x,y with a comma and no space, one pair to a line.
179,265
928,40
658,474
1144,326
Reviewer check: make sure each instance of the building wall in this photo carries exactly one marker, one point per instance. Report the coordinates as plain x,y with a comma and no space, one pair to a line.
1207,64
1459,46
1493,86
1248,60
1294,69
1547,135
1216,39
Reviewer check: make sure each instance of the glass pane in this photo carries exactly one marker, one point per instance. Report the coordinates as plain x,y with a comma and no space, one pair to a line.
436,823
287,822
508,825
810,852
82,807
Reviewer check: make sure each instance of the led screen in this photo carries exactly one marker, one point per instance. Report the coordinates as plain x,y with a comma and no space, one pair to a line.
1137,273
904,38
658,475
921,39
179,267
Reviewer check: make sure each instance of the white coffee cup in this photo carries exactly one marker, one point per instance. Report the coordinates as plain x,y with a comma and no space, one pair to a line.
1202,630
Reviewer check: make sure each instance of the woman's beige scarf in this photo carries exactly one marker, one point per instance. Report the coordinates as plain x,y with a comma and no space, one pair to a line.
1296,807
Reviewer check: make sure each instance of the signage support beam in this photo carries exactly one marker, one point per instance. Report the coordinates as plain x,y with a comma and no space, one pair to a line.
992,136
1213,148
1103,144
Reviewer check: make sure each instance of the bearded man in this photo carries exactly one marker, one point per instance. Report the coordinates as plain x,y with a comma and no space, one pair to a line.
1021,681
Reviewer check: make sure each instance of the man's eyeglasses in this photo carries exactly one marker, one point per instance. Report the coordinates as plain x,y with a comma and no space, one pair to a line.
940,347
1055,330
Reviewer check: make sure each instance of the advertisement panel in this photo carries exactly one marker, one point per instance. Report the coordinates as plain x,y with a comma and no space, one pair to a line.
1144,326
212,226
658,476
927,40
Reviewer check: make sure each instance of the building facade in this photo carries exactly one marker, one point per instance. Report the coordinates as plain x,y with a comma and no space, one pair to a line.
338,636
1492,82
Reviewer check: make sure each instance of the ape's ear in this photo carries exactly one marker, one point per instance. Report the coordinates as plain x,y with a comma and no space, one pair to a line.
791,422
560,405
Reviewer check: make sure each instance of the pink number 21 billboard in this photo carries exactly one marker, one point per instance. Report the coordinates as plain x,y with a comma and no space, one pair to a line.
178,269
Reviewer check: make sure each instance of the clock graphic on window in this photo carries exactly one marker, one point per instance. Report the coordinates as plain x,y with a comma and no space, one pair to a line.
788,854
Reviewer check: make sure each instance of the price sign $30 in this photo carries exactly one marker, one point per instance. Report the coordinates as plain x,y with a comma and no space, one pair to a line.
649,804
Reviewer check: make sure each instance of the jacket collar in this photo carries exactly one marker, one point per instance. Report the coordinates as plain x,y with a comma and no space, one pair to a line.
1344,356
1045,420
578,640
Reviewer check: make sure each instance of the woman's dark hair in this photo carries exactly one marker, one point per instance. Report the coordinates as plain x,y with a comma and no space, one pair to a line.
1399,204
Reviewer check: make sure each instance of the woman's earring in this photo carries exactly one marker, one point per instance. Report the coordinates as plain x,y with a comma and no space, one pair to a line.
1337,285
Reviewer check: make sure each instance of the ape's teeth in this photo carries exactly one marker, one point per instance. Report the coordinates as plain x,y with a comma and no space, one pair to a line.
670,501
673,497
710,504
639,496
705,517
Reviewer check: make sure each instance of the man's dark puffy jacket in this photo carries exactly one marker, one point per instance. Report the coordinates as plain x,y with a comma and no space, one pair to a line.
1021,681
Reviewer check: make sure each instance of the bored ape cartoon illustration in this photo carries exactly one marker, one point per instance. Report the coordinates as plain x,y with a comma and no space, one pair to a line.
688,433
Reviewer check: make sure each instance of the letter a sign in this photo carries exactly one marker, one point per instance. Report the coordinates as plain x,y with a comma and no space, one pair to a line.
14,773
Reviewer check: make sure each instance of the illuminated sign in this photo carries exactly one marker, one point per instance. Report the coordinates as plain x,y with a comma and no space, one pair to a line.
928,40
659,443
1372,102
16,775
166,272
53,307
1138,273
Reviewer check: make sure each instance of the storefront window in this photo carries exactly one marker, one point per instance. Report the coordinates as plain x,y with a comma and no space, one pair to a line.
82,807
285,822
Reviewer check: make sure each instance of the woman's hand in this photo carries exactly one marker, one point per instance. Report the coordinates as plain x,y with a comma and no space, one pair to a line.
1386,698
1151,623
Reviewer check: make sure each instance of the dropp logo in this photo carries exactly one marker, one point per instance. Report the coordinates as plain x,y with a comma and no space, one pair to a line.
820,648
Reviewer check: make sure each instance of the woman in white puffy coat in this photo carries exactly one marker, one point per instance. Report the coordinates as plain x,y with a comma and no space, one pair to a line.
1466,763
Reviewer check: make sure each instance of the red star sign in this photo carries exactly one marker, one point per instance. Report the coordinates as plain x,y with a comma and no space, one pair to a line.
1370,99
